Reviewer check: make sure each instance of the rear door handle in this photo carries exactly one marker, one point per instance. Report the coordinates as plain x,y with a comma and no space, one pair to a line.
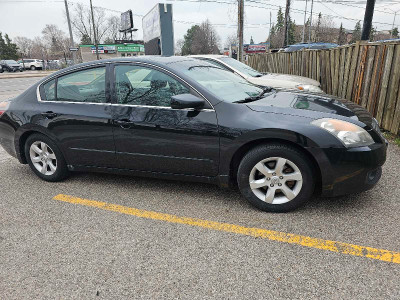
49,115
124,123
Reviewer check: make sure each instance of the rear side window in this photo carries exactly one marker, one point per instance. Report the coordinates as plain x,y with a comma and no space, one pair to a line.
83,86
50,90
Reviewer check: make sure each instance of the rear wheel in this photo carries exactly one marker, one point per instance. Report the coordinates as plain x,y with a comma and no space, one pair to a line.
33,68
276,178
45,158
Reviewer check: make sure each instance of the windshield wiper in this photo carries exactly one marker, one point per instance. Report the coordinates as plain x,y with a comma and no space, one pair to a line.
254,98
247,100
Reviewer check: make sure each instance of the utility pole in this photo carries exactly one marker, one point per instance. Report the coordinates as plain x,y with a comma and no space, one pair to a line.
240,30
94,32
369,13
305,22
286,31
394,20
309,27
269,36
71,37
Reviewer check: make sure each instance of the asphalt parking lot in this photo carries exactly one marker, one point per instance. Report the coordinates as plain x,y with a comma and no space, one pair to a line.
110,237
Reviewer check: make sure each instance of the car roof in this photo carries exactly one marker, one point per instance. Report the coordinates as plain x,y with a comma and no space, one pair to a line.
208,55
170,62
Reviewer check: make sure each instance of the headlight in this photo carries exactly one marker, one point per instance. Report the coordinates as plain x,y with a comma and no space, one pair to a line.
309,88
349,134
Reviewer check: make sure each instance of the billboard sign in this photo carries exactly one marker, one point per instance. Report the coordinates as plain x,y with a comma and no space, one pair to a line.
104,49
126,20
255,48
151,24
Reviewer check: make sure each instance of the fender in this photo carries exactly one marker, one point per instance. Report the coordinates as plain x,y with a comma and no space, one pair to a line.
234,150
23,132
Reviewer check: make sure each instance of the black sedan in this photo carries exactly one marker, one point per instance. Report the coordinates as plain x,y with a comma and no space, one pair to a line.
10,66
180,118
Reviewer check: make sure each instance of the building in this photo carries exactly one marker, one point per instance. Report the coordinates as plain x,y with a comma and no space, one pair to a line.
88,52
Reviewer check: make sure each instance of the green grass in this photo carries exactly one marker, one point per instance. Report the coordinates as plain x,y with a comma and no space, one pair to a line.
395,139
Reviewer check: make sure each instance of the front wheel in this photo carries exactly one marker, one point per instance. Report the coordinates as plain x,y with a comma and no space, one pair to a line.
276,177
45,159
33,68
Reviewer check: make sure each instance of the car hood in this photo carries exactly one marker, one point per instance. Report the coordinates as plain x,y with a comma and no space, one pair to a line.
314,106
13,65
288,81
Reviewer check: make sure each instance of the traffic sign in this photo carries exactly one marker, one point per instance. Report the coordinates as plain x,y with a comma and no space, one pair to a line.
74,49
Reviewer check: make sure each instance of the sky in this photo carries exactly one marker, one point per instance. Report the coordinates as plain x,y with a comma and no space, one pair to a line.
28,18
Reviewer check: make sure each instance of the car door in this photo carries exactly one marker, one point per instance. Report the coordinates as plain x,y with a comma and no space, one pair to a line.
151,136
76,109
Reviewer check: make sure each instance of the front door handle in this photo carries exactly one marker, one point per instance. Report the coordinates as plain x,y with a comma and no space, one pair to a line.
49,115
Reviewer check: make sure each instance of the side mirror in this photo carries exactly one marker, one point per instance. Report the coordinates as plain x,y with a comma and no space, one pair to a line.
186,101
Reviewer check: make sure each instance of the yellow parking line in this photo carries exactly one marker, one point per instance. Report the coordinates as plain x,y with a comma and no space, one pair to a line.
290,238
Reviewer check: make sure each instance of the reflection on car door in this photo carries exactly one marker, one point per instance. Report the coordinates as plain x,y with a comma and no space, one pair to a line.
78,111
150,136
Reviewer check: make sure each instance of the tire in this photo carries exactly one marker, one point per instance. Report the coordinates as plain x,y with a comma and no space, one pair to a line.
33,68
56,167
275,181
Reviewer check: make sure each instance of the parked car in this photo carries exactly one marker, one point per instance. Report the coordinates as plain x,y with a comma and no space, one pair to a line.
1,69
181,118
10,65
274,80
312,46
33,64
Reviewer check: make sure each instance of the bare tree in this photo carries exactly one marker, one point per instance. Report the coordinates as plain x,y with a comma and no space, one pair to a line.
206,40
24,46
55,40
231,40
178,46
81,21
114,25
39,50
325,29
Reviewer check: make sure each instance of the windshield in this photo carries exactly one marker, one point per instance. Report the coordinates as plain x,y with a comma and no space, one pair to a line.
224,84
241,67
10,61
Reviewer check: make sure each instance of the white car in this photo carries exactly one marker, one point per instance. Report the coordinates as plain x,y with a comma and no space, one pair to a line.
274,80
33,64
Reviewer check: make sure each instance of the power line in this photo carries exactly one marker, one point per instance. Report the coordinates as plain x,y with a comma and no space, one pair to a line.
302,12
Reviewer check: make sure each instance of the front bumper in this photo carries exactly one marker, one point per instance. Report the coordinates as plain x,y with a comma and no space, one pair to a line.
353,170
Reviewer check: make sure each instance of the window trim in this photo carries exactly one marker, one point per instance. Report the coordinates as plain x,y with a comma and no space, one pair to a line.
110,90
162,70
40,91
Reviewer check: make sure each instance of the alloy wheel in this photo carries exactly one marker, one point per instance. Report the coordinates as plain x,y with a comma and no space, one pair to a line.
43,158
276,180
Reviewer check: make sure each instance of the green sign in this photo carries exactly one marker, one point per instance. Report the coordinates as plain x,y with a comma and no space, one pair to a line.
130,49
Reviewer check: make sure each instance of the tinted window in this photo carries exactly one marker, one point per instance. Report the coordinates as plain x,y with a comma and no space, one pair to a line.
138,85
50,90
83,86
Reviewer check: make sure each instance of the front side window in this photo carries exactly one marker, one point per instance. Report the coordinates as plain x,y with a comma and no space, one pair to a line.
137,85
83,86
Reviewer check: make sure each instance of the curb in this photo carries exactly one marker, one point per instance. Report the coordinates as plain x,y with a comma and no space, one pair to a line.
10,76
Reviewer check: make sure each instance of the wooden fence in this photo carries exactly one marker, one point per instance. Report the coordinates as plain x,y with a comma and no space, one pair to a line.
365,73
